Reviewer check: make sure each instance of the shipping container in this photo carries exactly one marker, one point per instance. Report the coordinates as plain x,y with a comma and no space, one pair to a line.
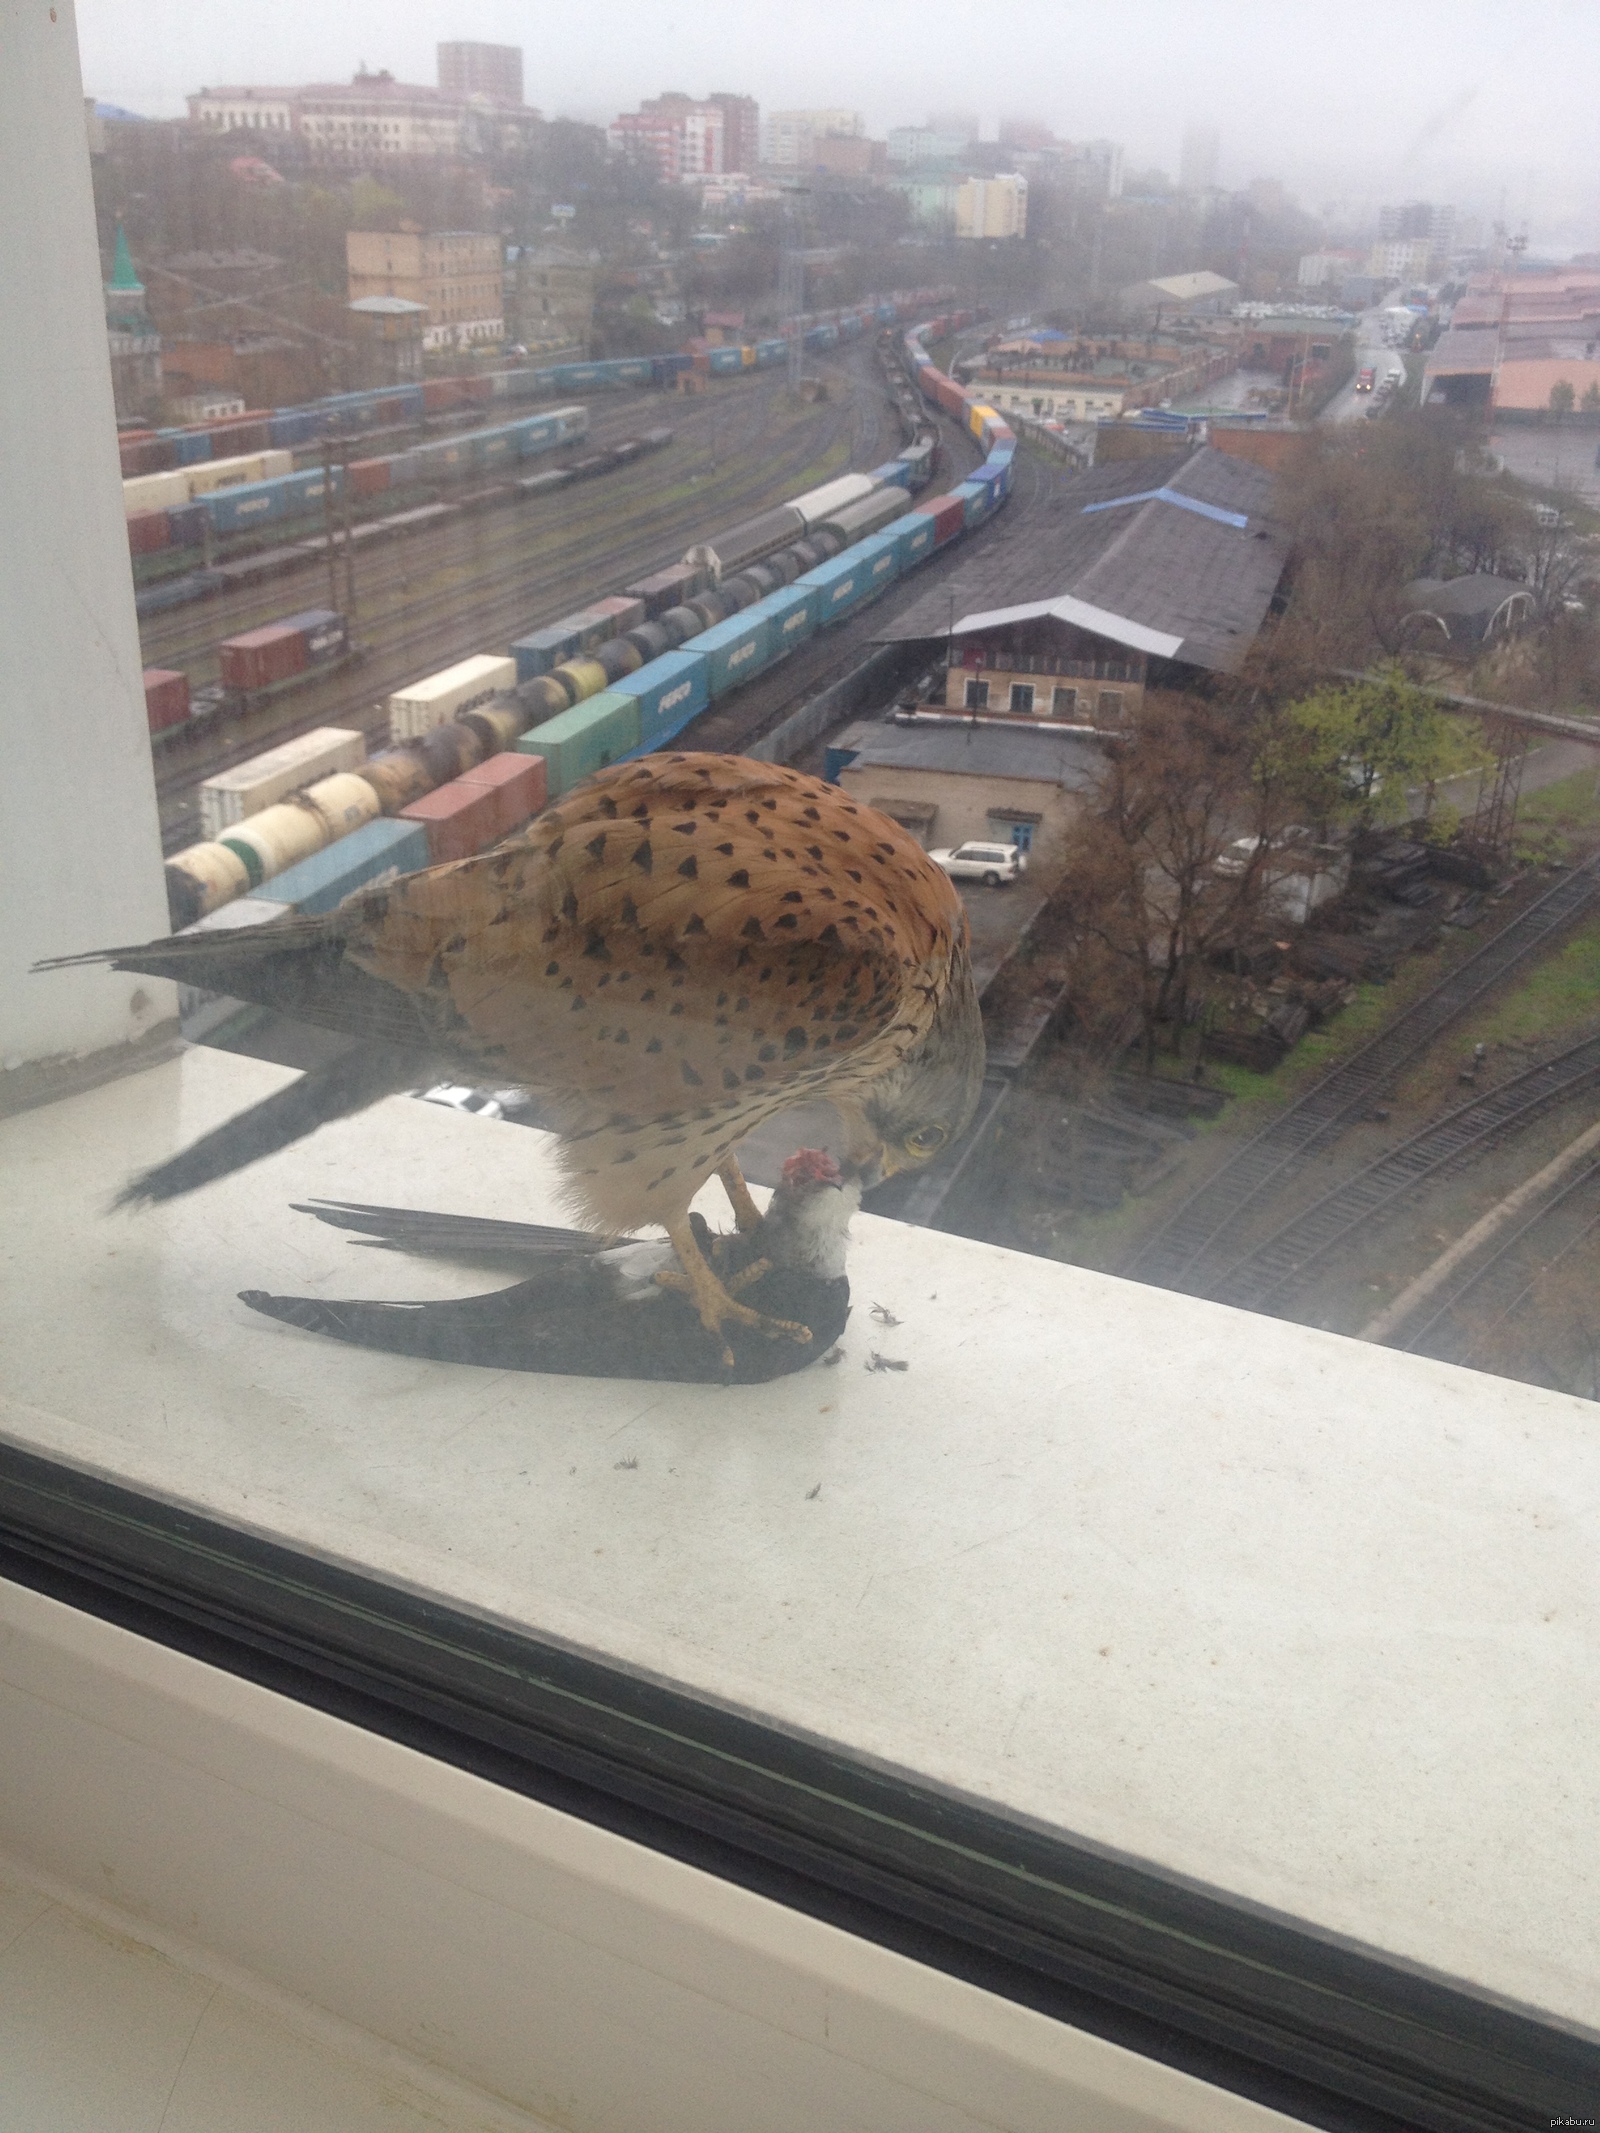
855,521
369,856
571,422
148,532
724,362
913,537
459,820
542,650
193,446
734,651
791,617
819,504
666,695
369,477
519,784
894,471
186,526
668,588
326,633
586,738
166,697
841,584
621,613
977,501
232,795
288,496
949,515
155,492
429,702
234,473
257,658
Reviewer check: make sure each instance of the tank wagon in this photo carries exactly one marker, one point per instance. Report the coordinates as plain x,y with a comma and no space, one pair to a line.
620,678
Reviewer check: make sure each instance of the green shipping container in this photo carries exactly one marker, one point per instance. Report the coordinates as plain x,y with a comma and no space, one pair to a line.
583,740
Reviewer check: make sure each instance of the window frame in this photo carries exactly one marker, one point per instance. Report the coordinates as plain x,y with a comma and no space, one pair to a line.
1254,2002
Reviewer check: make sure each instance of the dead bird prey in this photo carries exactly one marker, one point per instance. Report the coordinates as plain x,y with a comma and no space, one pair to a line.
589,1309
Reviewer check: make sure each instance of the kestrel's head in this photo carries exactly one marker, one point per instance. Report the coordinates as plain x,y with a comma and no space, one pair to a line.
919,1107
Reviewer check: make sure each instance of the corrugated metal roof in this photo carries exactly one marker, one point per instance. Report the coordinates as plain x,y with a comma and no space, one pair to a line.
1174,582
976,749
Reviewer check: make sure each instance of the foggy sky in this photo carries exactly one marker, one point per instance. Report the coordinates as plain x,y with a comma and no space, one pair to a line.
1492,106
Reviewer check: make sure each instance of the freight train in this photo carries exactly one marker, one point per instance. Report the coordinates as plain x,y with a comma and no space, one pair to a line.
149,451
186,527
620,679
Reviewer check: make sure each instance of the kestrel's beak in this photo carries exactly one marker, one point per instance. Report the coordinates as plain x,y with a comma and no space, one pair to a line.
874,1167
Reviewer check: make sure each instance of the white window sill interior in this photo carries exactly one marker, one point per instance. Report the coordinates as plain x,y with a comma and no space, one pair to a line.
1300,1618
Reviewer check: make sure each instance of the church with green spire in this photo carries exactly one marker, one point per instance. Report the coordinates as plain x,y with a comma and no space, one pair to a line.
135,343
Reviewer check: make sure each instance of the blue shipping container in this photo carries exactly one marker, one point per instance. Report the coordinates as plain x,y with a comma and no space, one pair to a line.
536,434
879,556
667,693
913,536
724,361
193,446
733,650
840,584
976,500
186,526
892,471
585,739
543,649
791,615
375,852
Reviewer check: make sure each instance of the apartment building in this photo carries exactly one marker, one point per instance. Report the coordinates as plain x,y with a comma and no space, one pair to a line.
456,274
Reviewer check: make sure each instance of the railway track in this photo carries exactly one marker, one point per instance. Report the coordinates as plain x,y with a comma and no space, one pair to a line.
1502,1286
448,626
1182,1252
1267,1276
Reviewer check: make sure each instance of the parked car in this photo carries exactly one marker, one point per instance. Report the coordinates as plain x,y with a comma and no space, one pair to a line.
1232,862
991,864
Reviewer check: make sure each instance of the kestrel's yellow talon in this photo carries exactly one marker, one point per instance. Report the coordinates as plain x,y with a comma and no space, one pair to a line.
717,1308
745,1211
747,1276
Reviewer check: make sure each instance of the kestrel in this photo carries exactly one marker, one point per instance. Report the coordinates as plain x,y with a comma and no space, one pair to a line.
680,947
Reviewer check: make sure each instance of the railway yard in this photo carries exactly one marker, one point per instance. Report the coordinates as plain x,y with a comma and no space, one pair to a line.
1319,1193
476,581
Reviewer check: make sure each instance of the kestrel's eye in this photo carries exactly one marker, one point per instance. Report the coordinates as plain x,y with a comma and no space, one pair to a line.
926,1141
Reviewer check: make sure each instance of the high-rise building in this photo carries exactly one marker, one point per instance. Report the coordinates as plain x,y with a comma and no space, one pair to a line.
373,116
992,207
1427,220
688,137
741,130
917,147
491,70
1197,160
789,138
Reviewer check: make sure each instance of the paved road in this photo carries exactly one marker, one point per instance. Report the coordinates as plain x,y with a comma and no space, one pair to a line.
1374,352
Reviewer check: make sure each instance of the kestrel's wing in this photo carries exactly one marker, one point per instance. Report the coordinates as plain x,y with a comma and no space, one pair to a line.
681,935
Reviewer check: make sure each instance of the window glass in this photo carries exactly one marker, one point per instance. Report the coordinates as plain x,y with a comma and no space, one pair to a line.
1050,1267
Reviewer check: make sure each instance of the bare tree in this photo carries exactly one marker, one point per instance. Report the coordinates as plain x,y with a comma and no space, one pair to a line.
1145,903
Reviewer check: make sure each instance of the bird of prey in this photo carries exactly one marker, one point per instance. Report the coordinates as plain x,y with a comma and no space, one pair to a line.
586,1308
680,947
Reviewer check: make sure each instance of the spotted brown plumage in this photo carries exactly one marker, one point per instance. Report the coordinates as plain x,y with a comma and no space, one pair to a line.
679,948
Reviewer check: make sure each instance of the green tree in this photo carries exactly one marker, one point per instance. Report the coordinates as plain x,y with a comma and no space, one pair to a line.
1562,398
1590,402
1354,753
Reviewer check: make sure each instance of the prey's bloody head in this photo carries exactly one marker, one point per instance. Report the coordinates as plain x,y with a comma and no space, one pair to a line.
811,1166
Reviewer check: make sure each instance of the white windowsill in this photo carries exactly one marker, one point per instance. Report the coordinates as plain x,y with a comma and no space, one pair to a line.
1303,1619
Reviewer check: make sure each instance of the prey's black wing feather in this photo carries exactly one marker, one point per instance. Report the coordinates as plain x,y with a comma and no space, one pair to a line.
416,1229
582,1332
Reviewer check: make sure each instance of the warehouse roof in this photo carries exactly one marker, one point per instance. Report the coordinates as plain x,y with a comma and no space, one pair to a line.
977,748
1178,556
1185,288
1478,593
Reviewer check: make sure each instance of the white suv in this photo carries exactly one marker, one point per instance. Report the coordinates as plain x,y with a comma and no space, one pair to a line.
988,863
